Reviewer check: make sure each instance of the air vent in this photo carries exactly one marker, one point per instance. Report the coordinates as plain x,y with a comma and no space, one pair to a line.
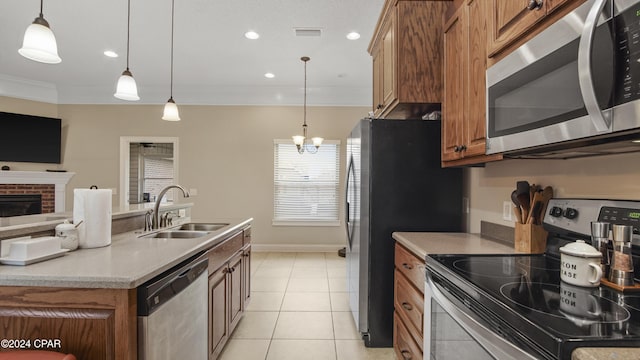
313,32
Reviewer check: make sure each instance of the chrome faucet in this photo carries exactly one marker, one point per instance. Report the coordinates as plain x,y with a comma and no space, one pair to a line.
156,213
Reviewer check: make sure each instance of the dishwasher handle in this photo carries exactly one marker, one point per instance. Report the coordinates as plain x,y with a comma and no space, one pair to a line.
157,291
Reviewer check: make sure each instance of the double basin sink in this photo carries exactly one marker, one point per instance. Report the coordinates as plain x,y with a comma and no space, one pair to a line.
188,231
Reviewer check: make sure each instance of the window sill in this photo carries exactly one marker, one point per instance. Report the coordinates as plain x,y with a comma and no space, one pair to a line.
306,223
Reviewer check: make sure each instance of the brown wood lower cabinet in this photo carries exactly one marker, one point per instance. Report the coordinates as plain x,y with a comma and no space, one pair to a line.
229,289
408,300
89,323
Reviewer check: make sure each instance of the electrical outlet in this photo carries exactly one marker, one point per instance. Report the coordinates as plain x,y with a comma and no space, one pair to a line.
506,210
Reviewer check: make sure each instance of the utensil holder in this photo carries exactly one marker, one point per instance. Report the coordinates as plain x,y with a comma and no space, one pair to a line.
530,238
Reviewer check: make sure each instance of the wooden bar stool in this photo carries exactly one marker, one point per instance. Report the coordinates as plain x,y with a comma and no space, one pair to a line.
35,355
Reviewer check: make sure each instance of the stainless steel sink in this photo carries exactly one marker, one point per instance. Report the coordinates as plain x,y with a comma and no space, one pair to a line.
178,234
203,226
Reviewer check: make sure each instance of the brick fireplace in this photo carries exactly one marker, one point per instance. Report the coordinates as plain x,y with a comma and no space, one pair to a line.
51,186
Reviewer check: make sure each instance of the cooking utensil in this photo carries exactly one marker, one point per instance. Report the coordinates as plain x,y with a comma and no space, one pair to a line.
516,206
522,190
547,194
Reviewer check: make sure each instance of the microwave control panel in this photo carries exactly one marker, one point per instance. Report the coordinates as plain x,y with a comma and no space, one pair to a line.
627,34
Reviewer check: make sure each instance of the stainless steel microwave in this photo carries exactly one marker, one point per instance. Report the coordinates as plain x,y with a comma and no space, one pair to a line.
572,90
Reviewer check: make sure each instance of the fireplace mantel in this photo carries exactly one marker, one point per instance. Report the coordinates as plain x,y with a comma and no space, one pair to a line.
59,179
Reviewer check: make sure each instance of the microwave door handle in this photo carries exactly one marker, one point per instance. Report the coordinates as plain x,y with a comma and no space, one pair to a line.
492,342
601,122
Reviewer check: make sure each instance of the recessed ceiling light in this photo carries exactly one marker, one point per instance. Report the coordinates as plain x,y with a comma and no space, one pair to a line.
110,53
353,36
251,35
636,141
269,75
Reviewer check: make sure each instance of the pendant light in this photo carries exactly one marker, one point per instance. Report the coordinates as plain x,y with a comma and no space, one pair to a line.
300,140
39,43
170,108
126,89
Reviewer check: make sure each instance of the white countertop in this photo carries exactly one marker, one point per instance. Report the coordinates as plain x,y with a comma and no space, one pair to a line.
424,243
128,262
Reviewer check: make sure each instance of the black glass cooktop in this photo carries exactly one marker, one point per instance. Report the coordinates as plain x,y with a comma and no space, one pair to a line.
525,293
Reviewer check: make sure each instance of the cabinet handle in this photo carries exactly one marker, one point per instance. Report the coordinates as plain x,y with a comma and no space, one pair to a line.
535,4
456,148
407,306
226,271
407,266
380,106
406,355
463,147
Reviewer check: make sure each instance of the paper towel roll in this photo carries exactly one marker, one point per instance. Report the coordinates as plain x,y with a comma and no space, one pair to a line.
93,207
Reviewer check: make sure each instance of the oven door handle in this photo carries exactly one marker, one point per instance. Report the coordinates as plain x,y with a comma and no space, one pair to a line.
602,122
497,346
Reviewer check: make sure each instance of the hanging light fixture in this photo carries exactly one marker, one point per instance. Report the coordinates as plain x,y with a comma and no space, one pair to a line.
39,43
170,108
126,89
300,140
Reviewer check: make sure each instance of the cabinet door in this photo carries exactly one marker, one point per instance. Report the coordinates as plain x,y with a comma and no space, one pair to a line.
403,343
554,4
454,74
388,62
378,100
475,119
246,276
218,312
511,19
235,290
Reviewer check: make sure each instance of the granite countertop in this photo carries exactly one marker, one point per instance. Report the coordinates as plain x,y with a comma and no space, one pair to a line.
424,243
606,354
129,261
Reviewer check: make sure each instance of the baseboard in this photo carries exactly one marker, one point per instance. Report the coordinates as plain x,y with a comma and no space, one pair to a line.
294,248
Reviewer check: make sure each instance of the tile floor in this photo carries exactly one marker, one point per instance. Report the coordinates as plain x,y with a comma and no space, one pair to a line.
299,310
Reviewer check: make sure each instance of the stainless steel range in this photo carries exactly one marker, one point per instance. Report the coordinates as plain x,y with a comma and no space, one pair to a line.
516,306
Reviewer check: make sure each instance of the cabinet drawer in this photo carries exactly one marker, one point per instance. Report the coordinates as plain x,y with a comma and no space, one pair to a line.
410,266
403,344
409,304
221,253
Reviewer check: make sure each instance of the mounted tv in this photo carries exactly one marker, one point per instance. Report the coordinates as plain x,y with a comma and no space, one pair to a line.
26,138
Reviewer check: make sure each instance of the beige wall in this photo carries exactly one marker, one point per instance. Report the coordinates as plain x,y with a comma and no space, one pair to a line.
603,177
226,153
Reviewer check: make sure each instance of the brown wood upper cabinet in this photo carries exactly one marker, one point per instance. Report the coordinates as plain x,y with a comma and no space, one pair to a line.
514,19
407,59
464,105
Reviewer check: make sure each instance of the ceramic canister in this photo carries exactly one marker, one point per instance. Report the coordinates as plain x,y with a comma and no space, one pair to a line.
580,264
69,234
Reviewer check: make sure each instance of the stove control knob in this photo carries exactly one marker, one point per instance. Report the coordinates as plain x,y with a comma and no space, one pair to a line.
570,213
555,211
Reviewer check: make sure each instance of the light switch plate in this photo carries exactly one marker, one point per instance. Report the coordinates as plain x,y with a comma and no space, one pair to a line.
506,210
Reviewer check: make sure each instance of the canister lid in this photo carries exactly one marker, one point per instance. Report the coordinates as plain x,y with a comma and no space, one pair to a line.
581,249
65,226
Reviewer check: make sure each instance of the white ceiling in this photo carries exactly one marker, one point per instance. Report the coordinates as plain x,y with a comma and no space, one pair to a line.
213,63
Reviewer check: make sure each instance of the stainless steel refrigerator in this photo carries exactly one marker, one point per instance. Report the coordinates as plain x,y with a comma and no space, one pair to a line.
394,183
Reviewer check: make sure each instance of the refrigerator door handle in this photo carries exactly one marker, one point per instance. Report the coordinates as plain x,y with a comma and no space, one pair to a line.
348,225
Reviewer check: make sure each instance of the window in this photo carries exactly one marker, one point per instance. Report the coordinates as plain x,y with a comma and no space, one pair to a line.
305,186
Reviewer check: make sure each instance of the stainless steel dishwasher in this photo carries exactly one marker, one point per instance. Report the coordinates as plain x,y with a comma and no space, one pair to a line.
172,313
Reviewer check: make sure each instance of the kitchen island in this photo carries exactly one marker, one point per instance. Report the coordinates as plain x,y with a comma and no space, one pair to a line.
87,299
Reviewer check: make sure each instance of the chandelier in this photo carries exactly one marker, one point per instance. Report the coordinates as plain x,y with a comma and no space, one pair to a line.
301,140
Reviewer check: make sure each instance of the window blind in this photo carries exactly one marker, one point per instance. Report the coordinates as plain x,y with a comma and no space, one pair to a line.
306,185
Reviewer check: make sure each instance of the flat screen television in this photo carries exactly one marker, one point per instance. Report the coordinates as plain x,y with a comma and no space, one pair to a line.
27,138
